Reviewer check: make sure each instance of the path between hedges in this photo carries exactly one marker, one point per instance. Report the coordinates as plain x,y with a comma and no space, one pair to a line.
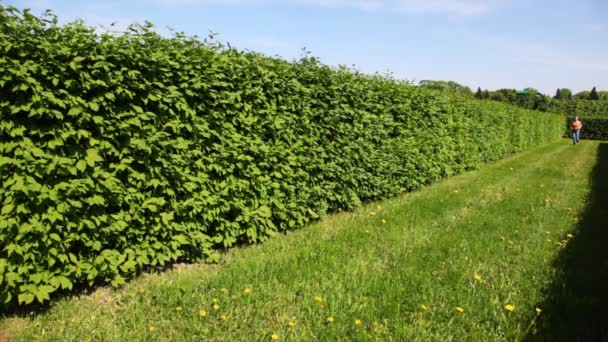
471,258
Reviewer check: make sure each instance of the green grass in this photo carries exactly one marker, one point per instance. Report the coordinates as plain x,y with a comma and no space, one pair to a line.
507,223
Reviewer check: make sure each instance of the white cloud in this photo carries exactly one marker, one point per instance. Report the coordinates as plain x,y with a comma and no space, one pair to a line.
459,7
365,5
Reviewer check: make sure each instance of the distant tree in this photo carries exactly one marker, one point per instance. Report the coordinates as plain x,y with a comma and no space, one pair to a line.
594,95
583,95
446,85
486,95
498,96
479,93
557,94
563,94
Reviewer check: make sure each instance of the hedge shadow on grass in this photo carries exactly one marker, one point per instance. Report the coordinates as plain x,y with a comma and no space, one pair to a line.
576,304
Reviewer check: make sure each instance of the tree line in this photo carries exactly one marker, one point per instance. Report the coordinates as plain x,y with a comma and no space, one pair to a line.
587,102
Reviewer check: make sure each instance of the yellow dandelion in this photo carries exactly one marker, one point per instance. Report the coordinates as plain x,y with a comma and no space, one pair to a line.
477,276
538,311
424,307
179,308
357,322
548,240
509,307
547,232
216,307
502,238
247,290
202,313
224,289
141,290
291,324
459,309
569,235
275,337
383,221
372,213
152,328
330,319
455,190
215,300
318,299
547,200
379,207
233,296
466,258
223,317
510,242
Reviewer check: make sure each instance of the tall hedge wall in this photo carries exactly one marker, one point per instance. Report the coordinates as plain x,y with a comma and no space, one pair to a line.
123,152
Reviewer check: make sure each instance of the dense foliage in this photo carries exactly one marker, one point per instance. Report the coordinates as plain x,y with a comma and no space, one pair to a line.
123,152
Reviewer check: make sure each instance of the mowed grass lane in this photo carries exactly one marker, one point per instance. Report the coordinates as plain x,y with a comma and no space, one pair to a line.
470,258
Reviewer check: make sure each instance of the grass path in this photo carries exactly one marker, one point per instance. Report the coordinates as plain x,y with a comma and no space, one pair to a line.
401,269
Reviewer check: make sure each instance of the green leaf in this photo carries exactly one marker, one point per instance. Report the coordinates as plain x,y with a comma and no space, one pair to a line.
7,209
94,106
93,157
26,298
81,165
74,111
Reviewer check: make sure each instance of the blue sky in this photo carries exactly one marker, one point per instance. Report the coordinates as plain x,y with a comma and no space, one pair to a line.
488,43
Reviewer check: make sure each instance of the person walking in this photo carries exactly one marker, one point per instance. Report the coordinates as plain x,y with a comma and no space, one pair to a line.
576,130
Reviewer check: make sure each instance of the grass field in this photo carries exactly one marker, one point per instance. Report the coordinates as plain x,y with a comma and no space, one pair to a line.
515,251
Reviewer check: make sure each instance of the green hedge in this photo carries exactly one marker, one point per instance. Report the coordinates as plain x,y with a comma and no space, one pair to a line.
120,153
582,108
593,128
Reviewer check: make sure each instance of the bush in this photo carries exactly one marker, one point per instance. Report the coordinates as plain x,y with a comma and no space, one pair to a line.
120,153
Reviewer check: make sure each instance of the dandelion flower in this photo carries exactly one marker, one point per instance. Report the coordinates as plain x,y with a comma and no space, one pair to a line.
379,207
459,309
455,190
318,299
547,232
233,296
330,319
477,276
502,238
216,307
547,200
510,242
372,213
179,308
152,328
291,324
548,240
538,311
247,290
383,221
202,313
424,307
509,307
224,289
223,317
274,337
569,235
141,290
357,322
215,300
